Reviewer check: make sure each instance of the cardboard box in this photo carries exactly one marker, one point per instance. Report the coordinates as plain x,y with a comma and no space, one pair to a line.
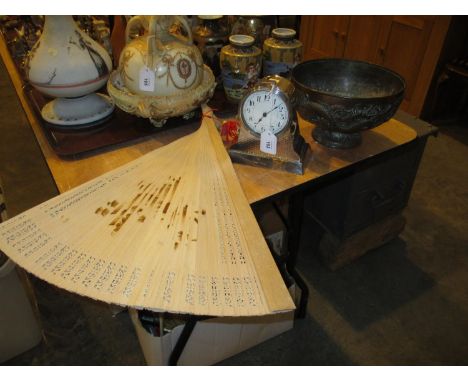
19,328
212,340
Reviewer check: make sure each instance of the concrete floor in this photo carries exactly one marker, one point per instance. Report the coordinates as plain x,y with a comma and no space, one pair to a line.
405,303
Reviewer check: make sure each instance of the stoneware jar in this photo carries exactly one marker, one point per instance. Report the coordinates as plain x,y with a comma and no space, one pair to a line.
241,63
281,52
65,62
161,74
210,35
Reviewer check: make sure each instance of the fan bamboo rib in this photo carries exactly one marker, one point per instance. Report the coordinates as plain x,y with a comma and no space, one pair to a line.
170,231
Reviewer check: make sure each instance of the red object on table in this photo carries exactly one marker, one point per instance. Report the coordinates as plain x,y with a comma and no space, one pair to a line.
230,131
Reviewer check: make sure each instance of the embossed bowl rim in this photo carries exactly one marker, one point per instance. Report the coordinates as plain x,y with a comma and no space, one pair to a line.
380,68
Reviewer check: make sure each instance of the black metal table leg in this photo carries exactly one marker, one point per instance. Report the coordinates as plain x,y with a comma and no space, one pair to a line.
183,339
295,214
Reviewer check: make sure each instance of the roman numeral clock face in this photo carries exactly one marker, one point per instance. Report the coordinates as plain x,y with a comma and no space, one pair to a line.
263,110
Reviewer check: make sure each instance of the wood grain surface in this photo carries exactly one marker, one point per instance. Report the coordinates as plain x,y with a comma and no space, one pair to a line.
257,183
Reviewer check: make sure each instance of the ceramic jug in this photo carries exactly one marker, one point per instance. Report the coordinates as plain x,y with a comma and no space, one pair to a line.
162,62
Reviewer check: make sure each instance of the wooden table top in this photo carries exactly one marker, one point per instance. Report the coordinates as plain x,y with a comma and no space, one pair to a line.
258,183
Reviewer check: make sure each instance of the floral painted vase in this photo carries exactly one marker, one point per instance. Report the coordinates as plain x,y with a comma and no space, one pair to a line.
241,63
281,52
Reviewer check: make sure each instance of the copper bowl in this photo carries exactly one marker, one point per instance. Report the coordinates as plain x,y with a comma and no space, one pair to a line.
343,97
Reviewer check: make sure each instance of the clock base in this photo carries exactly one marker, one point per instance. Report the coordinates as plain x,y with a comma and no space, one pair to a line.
291,156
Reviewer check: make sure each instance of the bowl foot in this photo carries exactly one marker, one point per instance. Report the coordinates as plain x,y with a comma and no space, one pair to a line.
189,115
73,112
336,139
158,122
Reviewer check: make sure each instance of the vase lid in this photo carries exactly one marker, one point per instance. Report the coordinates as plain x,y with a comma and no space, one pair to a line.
210,17
241,40
283,33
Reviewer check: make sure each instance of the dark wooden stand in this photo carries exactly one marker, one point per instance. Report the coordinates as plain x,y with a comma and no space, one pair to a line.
363,210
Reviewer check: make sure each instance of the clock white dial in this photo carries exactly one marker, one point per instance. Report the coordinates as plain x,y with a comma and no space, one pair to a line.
264,110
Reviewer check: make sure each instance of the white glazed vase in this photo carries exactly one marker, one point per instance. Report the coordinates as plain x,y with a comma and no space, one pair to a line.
66,62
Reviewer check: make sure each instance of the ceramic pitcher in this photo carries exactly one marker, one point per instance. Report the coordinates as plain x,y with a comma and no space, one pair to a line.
162,62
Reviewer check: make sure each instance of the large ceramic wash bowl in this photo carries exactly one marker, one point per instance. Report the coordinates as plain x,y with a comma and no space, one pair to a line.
159,108
343,97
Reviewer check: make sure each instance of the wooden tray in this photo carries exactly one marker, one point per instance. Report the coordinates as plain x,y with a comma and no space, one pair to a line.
120,127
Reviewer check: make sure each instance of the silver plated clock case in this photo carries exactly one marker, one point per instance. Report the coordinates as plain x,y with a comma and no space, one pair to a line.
269,108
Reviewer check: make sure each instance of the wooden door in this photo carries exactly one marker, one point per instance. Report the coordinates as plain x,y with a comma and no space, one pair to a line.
362,38
323,36
410,46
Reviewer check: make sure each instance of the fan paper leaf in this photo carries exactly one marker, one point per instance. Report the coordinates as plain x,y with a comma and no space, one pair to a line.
171,231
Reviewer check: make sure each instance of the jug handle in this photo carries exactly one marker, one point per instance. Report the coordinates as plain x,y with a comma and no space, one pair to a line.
136,22
185,24
154,22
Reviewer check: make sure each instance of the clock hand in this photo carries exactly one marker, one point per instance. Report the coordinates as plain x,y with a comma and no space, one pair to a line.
265,114
256,123
268,112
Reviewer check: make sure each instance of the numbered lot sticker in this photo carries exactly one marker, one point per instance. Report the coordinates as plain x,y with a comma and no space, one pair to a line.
268,142
146,79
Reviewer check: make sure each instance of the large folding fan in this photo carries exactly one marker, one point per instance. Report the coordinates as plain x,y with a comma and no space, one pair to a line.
170,231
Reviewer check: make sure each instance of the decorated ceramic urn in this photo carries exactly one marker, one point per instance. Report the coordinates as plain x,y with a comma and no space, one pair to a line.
281,52
66,63
161,74
241,64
